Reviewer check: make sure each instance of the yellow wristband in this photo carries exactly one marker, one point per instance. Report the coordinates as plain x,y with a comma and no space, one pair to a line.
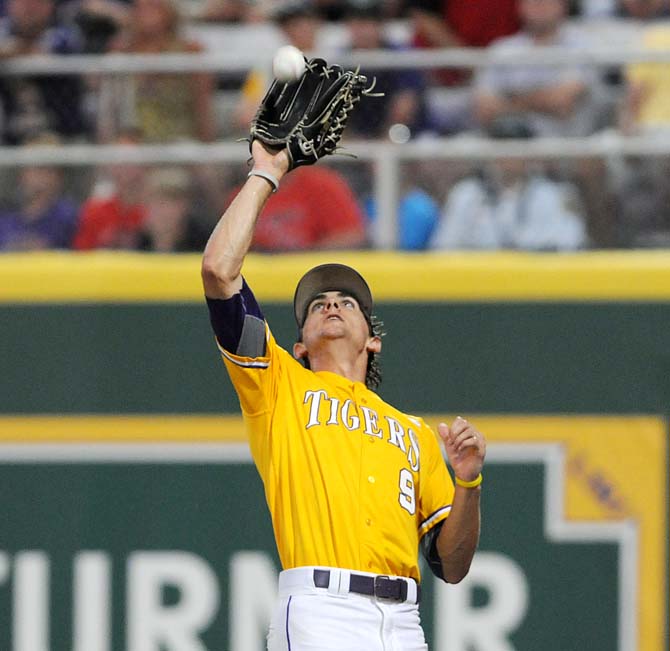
470,484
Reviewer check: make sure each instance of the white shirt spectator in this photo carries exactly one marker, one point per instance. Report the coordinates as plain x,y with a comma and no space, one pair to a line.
517,78
533,214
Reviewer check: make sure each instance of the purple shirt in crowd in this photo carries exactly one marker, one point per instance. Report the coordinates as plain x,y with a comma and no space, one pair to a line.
52,230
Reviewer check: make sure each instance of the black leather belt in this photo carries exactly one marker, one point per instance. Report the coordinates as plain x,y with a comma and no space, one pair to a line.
382,587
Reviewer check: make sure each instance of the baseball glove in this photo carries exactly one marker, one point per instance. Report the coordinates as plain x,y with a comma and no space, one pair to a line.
308,116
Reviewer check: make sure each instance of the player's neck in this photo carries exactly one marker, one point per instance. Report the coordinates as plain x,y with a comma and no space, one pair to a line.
336,358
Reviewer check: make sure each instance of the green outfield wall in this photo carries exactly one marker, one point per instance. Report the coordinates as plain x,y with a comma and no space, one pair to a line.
483,357
135,521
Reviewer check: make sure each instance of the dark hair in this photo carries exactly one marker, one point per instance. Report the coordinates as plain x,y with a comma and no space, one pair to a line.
373,373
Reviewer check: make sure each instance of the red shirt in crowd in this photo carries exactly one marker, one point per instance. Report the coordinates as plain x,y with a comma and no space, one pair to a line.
479,22
108,224
313,209
475,23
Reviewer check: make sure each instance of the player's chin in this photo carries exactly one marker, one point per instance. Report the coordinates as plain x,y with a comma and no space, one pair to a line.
332,332
334,329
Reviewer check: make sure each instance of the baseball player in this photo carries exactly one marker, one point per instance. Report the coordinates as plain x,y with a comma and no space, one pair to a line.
353,485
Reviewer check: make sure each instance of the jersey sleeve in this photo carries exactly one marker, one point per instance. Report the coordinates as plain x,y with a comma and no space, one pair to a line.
238,323
248,349
436,488
255,379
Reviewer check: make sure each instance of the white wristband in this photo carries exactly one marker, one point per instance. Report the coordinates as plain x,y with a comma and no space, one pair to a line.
267,176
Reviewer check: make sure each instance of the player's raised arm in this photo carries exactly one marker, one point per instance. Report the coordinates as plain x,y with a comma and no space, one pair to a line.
229,243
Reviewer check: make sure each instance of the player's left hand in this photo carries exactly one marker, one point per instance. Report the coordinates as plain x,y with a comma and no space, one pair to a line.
465,446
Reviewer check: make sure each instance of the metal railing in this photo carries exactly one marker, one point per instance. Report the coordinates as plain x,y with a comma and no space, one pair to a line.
419,59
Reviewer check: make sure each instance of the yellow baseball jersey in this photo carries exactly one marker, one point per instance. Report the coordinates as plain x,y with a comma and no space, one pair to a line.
350,481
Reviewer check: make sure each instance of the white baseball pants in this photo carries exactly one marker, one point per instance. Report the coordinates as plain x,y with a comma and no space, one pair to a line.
309,618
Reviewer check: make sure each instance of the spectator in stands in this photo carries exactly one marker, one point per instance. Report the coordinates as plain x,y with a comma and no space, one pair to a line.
164,106
635,9
299,25
223,11
315,210
644,9
99,21
33,104
418,214
647,101
462,23
404,102
646,104
112,218
170,226
554,100
459,23
643,191
643,203
510,205
43,217
332,10
335,10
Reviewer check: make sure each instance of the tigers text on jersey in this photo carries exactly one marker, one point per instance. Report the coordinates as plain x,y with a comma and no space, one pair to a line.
350,481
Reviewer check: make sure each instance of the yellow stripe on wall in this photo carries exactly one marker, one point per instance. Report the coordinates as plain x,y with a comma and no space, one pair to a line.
135,277
121,429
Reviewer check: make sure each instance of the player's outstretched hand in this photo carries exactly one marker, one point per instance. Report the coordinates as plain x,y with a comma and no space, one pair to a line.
465,446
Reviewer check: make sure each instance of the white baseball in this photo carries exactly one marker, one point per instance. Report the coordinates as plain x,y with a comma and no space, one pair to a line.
288,64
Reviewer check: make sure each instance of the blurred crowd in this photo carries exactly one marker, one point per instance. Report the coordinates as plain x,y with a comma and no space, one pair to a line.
512,203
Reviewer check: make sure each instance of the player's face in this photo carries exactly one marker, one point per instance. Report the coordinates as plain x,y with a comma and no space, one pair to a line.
335,315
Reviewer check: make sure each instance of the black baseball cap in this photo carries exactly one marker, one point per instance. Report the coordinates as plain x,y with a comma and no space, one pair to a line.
332,277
